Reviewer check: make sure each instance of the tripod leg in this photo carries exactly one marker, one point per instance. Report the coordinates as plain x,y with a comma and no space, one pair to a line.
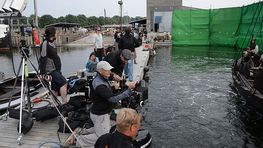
21,103
28,87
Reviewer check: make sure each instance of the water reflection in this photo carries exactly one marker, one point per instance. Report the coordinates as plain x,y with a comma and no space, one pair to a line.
191,103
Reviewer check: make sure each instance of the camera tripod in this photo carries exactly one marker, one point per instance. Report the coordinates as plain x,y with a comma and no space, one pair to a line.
24,113
24,82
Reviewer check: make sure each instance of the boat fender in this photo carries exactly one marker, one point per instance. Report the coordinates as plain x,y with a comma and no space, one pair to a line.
36,37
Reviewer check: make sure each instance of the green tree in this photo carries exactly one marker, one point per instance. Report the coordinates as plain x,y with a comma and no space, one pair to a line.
71,18
46,20
61,19
115,19
101,20
31,19
93,20
23,20
82,20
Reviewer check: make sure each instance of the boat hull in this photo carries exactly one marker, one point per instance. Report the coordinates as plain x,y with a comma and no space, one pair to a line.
7,90
245,88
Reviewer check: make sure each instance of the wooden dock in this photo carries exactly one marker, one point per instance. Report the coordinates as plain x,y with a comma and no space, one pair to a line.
46,132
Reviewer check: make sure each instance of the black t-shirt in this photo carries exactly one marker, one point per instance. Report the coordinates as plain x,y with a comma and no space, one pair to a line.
114,140
114,59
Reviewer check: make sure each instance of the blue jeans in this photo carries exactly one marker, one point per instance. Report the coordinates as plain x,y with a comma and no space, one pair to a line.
128,70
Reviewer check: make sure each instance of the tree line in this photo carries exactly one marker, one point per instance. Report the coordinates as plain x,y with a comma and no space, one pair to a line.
80,19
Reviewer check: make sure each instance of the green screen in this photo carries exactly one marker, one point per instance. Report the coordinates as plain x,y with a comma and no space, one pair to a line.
231,27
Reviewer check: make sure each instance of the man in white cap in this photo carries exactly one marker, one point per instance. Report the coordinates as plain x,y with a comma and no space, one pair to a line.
103,100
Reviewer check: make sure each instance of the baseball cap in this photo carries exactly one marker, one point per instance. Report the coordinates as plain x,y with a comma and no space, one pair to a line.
104,65
127,54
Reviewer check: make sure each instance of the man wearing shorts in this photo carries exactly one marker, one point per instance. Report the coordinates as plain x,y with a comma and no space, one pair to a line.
50,64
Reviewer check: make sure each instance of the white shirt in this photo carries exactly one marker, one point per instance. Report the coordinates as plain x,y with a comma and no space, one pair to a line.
98,41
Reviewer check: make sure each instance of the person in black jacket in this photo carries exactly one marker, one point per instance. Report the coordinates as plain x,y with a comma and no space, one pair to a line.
128,123
103,100
128,41
50,64
118,59
117,37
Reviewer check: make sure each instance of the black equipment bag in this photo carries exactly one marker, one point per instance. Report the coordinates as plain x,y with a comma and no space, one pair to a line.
76,84
45,114
27,121
63,128
15,113
79,115
75,119
27,124
143,92
78,102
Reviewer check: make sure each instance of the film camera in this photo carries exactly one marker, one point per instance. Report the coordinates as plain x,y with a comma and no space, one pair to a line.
138,96
24,49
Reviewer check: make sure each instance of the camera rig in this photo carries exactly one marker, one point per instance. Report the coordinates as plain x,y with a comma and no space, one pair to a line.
137,98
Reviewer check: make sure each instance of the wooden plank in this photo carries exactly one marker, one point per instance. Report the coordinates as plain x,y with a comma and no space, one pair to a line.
142,61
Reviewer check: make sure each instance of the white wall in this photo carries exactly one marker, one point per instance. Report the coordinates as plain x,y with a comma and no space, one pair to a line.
166,23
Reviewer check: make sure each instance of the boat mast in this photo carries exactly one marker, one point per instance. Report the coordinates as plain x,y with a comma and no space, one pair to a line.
36,15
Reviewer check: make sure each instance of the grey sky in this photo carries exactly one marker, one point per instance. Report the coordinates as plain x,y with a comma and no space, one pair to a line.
132,8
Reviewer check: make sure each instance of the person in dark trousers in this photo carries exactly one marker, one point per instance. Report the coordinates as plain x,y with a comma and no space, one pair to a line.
128,41
117,37
128,123
50,64
103,100
118,59
98,44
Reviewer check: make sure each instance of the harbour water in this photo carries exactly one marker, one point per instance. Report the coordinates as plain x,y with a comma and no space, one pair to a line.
73,59
191,102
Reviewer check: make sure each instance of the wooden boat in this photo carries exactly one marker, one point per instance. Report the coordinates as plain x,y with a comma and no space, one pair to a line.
245,88
8,90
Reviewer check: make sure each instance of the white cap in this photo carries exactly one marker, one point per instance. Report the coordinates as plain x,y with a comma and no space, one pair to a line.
104,65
